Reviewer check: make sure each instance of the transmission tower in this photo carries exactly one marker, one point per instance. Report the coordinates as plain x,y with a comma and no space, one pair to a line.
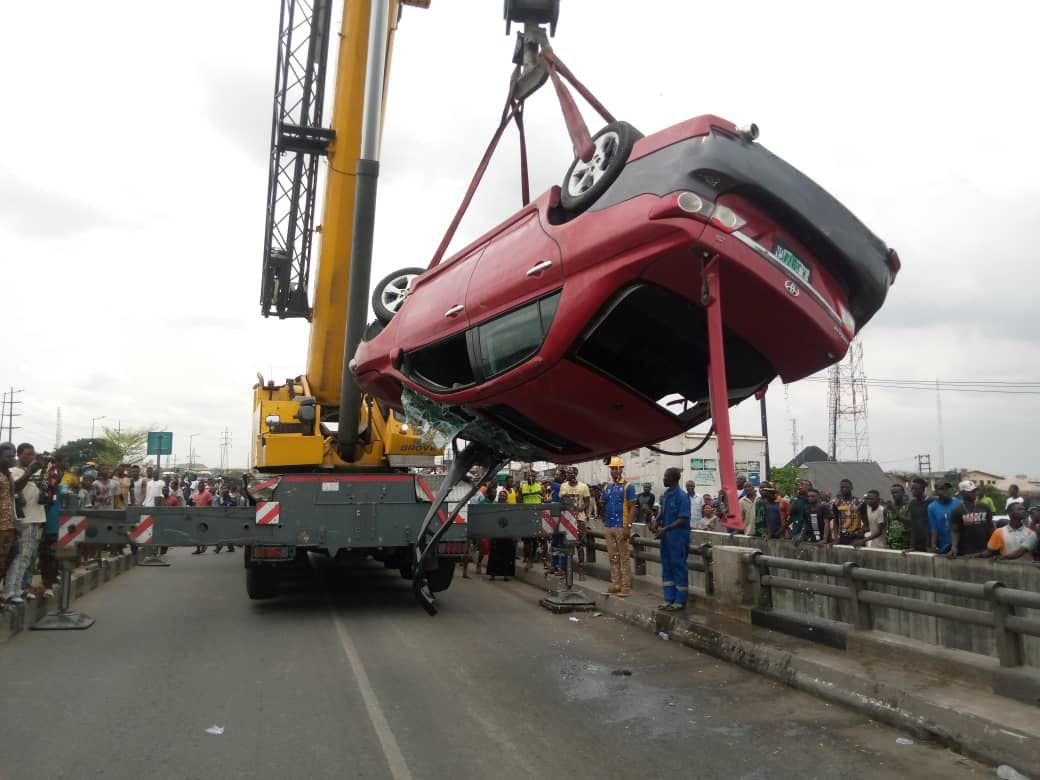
847,406
225,448
57,431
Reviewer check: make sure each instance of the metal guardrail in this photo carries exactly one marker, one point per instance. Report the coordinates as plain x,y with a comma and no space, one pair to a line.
1000,616
643,550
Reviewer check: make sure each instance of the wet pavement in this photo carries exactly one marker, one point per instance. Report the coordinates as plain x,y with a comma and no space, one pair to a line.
345,675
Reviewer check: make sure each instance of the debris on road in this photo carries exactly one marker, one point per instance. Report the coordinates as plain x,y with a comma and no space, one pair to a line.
904,741
663,635
215,730
622,672
1005,772
574,620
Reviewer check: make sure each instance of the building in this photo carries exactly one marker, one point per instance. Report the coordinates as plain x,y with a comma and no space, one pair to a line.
811,454
982,478
865,475
645,465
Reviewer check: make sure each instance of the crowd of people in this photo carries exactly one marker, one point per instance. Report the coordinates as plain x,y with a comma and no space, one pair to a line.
35,487
949,522
955,523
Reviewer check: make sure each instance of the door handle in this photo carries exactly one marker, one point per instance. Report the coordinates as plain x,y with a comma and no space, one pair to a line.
457,308
539,267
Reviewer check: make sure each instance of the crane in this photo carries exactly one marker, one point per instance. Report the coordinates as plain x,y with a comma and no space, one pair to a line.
333,472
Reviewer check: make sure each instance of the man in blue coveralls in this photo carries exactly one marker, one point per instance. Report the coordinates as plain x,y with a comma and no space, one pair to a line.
619,499
674,533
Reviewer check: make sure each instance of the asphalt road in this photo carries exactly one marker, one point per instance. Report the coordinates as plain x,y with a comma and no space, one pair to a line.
347,677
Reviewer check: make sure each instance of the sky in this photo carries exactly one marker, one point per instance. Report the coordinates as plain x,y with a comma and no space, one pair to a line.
133,184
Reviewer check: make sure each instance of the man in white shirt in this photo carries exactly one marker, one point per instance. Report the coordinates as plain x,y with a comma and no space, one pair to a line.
154,491
696,507
32,516
576,495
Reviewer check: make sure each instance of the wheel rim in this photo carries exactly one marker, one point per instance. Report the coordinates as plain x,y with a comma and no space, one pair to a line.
395,291
585,174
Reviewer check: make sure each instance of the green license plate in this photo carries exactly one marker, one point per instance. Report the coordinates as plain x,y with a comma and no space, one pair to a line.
791,261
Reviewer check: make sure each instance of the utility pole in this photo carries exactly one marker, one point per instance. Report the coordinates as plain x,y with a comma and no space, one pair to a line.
938,414
765,428
225,448
924,464
57,430
9,403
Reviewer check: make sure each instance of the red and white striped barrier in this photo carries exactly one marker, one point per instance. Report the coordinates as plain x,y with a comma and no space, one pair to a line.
73,530
143,532
549,523
268,512
569,525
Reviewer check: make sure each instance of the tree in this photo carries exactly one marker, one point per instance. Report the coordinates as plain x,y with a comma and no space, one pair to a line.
784,478
79,451
127,446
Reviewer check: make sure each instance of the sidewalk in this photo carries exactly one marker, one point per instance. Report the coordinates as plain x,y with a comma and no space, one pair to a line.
17,617
917,697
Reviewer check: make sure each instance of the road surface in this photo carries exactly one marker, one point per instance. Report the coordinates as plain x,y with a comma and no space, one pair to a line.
347,677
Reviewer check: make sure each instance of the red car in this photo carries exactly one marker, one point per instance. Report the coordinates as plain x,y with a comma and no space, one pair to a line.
575,329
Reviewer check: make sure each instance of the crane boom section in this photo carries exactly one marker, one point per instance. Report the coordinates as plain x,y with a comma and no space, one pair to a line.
332,286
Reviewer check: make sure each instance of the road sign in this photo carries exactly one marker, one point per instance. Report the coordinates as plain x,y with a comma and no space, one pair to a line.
160,443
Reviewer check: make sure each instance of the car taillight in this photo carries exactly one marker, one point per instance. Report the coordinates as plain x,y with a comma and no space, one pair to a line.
725,218
690,204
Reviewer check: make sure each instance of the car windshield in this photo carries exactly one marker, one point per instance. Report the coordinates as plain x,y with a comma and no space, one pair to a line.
636,343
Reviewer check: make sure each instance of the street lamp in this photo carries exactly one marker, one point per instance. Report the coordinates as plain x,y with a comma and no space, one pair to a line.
191,451
92,421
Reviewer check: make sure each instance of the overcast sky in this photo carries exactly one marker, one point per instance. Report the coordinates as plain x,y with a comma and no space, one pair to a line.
133,181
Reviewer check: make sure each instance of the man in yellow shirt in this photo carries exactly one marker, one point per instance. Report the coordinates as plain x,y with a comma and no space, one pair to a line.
575,495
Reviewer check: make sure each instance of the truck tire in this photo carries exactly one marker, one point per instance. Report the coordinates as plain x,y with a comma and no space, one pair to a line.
261,582
440,578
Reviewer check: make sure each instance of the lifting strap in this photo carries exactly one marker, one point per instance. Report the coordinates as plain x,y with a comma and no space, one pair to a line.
513,111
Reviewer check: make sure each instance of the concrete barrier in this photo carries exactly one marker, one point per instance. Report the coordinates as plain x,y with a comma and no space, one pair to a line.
18,617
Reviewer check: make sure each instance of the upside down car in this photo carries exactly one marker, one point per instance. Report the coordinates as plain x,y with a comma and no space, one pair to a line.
576,328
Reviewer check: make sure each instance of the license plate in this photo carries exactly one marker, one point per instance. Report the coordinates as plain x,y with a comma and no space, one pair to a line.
791,261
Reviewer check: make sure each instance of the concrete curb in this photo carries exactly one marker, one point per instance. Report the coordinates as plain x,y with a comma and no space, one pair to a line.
18,617
804,666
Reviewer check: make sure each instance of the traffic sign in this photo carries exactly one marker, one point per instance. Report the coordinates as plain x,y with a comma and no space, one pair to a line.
160,443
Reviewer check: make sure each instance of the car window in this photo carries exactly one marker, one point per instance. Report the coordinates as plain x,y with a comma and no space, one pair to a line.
444,365
509,340
636,343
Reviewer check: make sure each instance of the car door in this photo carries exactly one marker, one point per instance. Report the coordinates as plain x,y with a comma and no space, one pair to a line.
520,264
436,305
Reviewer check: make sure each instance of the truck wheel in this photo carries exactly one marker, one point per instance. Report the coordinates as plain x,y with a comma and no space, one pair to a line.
440,578
261,582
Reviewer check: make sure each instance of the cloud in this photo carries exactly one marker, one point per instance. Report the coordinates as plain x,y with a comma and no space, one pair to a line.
28,209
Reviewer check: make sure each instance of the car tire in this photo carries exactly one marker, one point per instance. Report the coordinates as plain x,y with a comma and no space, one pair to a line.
261,582
585,182
388,295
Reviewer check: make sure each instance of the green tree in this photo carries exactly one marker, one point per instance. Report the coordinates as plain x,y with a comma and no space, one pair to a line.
126,446
79,451
784,478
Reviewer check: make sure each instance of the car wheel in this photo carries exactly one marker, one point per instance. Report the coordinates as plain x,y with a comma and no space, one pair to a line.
586,181
389,294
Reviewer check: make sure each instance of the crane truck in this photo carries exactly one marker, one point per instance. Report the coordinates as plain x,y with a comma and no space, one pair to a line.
332,472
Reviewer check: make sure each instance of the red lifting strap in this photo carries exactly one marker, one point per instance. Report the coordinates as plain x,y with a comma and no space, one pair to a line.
513,110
